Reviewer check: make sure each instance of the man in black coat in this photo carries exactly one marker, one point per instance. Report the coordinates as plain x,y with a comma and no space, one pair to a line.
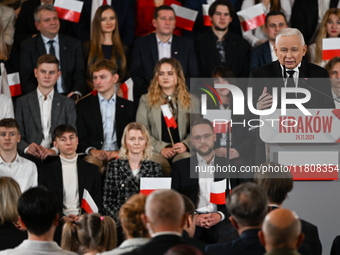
219,47
102,117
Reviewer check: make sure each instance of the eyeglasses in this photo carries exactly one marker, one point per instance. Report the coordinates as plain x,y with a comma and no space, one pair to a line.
198,138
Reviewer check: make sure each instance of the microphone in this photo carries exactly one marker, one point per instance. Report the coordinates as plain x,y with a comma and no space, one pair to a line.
320,92
284,75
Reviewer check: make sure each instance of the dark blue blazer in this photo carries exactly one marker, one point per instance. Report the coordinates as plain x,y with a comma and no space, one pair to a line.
260,56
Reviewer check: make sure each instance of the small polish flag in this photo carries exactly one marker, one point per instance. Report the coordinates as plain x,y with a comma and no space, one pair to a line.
127,89
217,193
69,9
185,17
330,48
206,17
252,17
14,84
88,204
169,119
150,184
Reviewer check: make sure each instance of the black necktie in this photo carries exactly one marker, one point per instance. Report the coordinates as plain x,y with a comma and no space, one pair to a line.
52,51
291,84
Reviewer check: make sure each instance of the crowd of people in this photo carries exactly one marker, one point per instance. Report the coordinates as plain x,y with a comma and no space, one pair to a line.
76,129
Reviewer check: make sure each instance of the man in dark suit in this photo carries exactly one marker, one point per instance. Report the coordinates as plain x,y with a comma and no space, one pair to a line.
69,175
285,72
164,219
210,218
247,221
219,47
66,49
102,117
41,111
162,44
264,53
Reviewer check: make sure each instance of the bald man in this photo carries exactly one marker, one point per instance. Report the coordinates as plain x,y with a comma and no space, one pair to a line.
281,233
164,219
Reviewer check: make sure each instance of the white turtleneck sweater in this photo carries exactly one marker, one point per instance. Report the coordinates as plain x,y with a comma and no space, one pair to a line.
70,182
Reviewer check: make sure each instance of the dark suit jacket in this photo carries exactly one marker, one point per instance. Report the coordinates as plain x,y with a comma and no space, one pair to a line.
89,121
237,52
158,245
25,27
260,56
71,63
27,114
181,181
51,177
145,57
305,16
247,243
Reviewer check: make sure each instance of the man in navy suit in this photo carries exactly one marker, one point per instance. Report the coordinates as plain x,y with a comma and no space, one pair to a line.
264,53
162,44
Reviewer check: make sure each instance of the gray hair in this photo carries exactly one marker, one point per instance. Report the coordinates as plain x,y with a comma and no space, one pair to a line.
290,32
47,7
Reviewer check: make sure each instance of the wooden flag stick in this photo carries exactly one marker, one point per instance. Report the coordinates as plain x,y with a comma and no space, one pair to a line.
172,140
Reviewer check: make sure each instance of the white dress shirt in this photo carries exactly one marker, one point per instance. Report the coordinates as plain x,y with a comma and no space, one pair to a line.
22,170
335,96
164,48
295,75
45,115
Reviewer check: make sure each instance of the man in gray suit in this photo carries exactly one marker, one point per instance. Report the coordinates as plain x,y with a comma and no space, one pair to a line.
41,111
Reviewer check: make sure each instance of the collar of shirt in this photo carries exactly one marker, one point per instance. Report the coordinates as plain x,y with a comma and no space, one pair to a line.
295,75
223,39
164,43
103,100
17,159
335,96
202,161
165,233
42,97
45,39
272,52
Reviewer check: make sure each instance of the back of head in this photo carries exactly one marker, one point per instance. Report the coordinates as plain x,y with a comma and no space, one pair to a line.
130,216
281,229
38,208
183,249
92,232
276,184
290,32
165,209
247,204
189,206
9,196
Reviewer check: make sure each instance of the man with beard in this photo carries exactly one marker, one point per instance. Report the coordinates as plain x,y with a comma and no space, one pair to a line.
219,47
209,218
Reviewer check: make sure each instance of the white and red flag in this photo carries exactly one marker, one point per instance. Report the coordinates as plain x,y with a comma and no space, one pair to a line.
127,89
169,118
217,192
69,9
185,17
88,204
10,83
150,184
206,17
252,17
330,48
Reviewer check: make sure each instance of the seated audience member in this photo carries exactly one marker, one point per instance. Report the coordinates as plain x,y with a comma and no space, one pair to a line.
183,249
67,50
105,42
167,88
277,186
149,49
164,219
333,68
23,171
335,249
68,176
8,21
247,205
210,218
6,107
264,53
135,232
9,56
38,211
219,47
11,231
329,28
102,117
307,16
281,232
122,179
41,111
90,234
257,36
25,24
